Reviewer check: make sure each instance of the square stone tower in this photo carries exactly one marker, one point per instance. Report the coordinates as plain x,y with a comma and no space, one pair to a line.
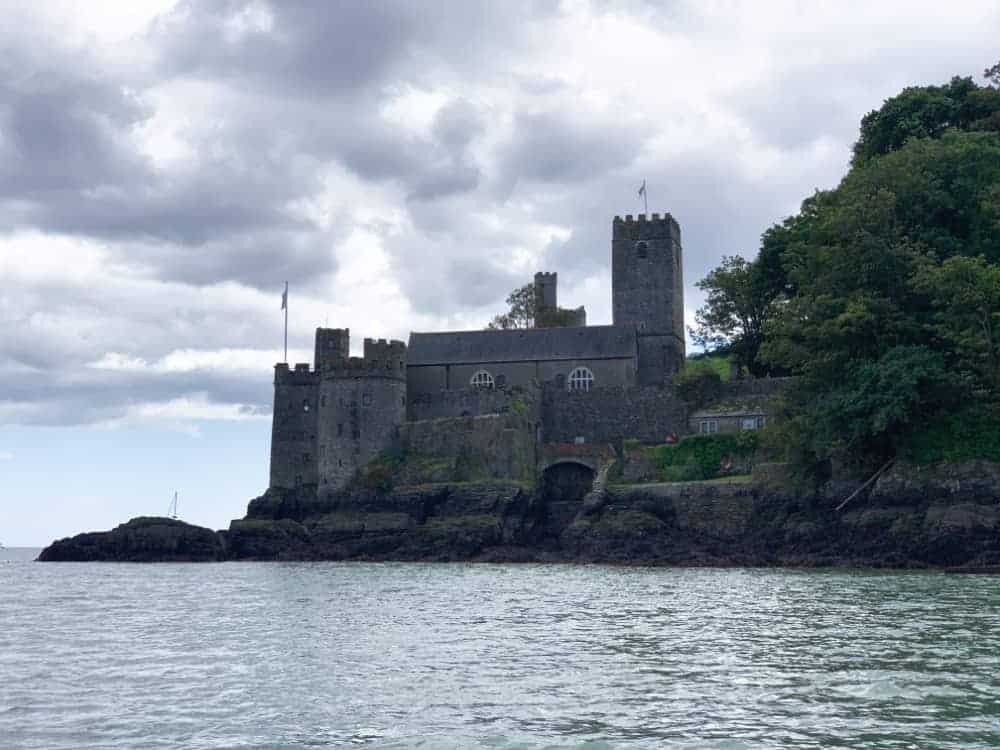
647,282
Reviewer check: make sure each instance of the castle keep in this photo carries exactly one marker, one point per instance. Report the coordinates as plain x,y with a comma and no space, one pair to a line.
506,392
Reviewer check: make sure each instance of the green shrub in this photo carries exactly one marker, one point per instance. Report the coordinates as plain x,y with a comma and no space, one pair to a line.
697,385
518,406
379,473
969,434
700,456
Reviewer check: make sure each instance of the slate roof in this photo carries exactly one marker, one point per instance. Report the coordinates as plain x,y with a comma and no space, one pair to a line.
521,345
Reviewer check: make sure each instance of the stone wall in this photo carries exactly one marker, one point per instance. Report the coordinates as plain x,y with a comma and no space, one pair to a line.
474,402
359,417
293,426
754,388
647,413
485,447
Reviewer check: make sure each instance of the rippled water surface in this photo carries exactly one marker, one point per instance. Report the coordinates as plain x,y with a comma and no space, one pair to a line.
244,655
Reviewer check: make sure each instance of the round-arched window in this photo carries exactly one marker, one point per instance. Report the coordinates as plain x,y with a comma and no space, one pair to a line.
581,379
482,379
641,249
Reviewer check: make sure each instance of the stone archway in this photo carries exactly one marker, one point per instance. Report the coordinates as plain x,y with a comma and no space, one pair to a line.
563,487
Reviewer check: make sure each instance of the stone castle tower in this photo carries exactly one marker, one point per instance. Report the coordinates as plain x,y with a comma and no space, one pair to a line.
330,421
647,288
362,402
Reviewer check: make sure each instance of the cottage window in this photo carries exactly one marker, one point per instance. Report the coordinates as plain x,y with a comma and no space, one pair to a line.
581,379
751,423
708,426
482,379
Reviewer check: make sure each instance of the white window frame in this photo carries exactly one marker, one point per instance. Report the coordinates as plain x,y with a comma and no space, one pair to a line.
580,379
482,379
708,426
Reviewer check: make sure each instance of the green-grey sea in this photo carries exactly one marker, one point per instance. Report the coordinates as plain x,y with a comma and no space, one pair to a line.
269,655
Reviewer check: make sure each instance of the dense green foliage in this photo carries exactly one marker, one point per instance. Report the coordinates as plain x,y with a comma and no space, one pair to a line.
883,295
698,384
927,112
699,457
970,433
720,363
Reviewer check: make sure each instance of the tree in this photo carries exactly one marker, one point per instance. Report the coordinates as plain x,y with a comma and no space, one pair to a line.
524,310
739,304
993,74
965,293
877,404
927,112
522,305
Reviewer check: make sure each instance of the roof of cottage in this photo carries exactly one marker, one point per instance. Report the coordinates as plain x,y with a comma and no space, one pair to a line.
521,345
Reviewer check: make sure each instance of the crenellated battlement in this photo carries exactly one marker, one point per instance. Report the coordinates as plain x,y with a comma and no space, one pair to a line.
301,375
642,227
333,345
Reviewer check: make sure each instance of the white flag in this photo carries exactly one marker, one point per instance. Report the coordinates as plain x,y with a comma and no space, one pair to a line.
284,298
642,190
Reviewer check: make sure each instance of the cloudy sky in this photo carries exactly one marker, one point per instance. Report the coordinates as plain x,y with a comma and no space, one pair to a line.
165,165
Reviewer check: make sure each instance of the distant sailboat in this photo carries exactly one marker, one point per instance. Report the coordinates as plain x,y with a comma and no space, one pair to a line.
172,510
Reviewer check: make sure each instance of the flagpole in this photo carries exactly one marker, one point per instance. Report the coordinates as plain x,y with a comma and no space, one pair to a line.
285,300
645,200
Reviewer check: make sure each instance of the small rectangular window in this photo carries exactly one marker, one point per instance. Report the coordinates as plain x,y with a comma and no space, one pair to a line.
340,430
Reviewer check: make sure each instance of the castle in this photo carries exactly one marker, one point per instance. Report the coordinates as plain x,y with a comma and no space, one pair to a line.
457,391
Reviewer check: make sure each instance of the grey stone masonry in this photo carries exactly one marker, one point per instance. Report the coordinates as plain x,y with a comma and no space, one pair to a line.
603,415
362,402
293,426
647,279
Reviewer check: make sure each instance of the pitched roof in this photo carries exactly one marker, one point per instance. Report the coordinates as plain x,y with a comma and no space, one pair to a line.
521,345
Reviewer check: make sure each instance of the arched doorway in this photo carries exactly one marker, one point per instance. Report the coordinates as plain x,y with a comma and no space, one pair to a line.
564,486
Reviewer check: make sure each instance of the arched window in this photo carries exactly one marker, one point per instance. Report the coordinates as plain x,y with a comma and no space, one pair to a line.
581,379
641,248
482,379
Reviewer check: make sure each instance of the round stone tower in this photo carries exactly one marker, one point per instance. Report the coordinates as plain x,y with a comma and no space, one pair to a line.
362,402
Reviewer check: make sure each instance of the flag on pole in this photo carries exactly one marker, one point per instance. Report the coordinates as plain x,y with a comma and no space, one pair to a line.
642,190
284,298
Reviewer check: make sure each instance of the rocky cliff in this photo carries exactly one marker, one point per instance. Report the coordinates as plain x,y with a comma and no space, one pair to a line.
940,516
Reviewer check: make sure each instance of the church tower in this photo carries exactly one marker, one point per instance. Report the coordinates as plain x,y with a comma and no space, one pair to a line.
647,282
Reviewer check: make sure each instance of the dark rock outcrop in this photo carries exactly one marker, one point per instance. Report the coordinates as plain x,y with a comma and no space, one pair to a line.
944,516
142,539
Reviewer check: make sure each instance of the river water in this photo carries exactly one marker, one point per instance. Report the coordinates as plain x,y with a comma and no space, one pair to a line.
246,655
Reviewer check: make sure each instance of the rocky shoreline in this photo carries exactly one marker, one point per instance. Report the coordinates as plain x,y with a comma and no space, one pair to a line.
945,516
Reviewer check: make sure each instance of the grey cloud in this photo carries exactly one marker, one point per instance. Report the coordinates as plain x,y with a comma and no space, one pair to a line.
564,147
64,129
93,396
